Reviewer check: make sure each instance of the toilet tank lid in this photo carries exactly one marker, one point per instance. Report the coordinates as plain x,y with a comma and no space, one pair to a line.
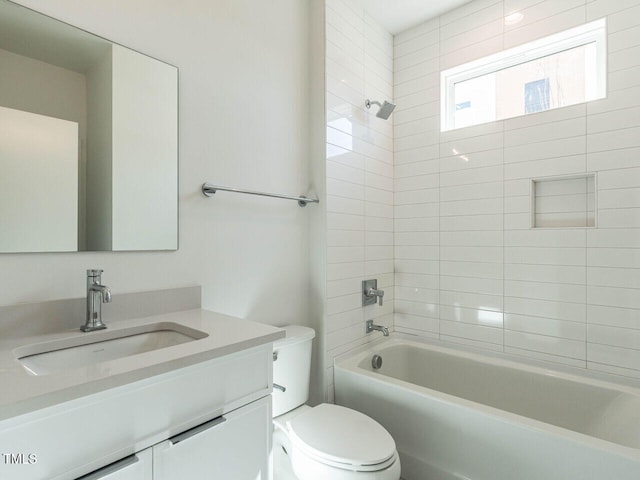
294,334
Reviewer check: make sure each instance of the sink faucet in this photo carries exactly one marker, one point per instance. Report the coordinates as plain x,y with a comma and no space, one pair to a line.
97,294
371,327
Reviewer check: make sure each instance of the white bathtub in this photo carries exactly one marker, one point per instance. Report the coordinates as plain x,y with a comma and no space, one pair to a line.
459,415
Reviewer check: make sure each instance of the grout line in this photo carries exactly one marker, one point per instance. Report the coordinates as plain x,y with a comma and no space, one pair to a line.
504,207
439,134
586,256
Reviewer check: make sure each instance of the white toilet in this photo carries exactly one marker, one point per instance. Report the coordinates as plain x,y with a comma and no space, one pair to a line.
326,442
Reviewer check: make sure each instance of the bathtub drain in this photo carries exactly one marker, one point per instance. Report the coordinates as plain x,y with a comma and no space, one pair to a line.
376,361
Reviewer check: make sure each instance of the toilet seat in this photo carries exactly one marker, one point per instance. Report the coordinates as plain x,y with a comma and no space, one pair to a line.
342,438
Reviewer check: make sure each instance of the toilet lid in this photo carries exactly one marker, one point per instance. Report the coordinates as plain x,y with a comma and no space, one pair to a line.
341,435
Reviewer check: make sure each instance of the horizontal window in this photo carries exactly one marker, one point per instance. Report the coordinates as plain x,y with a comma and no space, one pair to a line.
553,72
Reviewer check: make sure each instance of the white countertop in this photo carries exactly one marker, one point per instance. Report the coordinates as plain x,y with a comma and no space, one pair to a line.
22,392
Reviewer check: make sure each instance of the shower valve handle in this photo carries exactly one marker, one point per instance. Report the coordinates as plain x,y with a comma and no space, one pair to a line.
372,292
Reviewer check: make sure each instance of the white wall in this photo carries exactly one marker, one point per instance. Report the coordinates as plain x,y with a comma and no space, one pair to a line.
145,147
38,87
99,177
359,177
39,182
469,269
243,120
318,215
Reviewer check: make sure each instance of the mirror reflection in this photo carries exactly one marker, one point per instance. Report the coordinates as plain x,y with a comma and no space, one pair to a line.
88,141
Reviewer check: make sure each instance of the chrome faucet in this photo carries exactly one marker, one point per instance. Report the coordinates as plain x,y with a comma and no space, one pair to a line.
97,294
371,327
370,292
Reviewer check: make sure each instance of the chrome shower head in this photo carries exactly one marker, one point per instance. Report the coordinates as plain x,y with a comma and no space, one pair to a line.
385,108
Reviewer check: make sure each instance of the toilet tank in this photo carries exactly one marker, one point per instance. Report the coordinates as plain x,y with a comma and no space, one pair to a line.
291,368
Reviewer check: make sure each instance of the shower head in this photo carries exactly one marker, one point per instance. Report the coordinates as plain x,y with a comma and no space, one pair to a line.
385,108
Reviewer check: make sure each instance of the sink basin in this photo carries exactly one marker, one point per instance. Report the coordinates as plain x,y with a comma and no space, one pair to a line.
88,349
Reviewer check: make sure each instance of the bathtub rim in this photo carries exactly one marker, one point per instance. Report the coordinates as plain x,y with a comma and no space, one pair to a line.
602,379
350,361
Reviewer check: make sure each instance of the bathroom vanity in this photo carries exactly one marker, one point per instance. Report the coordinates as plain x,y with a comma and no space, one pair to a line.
198,407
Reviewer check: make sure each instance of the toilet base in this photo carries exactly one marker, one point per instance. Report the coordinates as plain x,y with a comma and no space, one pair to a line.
281,464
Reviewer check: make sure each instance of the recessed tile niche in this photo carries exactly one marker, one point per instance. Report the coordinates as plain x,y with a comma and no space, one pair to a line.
564,202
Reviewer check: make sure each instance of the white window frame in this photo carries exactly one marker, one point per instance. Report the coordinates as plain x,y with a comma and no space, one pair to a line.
559,42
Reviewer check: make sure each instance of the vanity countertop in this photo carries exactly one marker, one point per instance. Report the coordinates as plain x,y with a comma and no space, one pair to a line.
22,392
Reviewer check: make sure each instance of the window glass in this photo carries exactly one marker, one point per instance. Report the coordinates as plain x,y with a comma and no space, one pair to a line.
532,78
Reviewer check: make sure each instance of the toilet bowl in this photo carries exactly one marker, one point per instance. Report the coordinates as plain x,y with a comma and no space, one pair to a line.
333,442
325,442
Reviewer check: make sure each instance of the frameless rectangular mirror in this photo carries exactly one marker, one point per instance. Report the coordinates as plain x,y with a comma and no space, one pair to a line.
88,141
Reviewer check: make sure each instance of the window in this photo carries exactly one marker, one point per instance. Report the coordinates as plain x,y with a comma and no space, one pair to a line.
536,96
553,72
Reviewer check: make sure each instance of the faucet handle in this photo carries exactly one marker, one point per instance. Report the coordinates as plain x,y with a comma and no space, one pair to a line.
379,294
374,293
94,272
370,292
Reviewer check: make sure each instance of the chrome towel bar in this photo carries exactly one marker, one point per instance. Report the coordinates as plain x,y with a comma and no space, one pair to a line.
209,190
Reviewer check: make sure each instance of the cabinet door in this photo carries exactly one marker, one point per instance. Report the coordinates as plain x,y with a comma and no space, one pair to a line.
135,467
235,446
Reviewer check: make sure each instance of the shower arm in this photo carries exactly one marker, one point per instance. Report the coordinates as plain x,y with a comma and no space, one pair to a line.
385,108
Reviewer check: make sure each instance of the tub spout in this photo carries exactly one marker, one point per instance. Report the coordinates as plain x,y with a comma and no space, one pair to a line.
370,327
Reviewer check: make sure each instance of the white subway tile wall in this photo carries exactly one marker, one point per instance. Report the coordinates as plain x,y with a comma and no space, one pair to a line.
469,268
360,177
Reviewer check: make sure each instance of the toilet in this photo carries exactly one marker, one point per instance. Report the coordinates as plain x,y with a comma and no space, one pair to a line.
325,442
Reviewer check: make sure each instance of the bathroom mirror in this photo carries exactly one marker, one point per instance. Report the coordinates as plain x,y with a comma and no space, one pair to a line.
88,141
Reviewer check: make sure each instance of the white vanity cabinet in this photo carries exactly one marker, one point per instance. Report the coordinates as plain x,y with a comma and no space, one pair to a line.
134,467
211,419
233,446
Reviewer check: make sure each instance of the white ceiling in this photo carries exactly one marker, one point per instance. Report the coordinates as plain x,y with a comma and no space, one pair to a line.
399,15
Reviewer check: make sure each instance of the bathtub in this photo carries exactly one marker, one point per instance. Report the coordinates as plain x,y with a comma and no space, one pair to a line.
463,415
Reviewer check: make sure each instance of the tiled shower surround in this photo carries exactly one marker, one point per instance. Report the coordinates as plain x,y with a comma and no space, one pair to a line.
359,65
468,267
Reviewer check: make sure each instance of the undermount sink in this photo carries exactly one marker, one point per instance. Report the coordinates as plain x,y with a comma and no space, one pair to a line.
88,349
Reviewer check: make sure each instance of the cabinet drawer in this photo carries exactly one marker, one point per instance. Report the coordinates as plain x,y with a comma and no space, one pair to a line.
135,467
234,446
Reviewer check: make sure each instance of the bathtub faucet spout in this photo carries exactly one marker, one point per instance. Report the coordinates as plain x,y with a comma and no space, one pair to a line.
371,327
